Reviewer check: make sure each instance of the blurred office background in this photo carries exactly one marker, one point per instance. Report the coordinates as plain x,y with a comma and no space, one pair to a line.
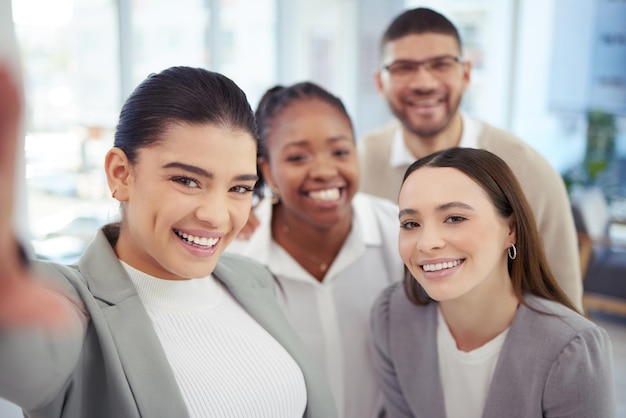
541,68
551,71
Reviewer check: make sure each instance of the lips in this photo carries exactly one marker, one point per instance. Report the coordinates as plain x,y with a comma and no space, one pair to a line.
441,266
424,103
326,195
202,242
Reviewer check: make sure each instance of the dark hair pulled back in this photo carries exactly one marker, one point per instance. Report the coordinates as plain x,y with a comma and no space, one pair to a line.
180,95
278,98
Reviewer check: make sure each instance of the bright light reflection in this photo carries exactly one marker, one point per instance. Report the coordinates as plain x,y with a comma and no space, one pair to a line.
60,96
43,12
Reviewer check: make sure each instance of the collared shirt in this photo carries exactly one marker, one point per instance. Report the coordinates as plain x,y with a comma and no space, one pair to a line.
332,316
402,156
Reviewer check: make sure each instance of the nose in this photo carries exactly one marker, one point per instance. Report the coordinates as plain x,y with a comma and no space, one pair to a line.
324,167
422,79
430,239
213,209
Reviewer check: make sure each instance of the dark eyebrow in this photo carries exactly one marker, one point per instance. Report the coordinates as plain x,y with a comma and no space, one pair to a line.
191,168
306,142
440,208
202,172
407,212
451,205
436,57
339,138
246,177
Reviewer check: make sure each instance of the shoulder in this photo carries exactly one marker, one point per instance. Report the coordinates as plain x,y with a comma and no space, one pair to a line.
511,149
398,325
65,278
380,313
383,134
575,356
534,172
558,326
382,209
240,271
393,306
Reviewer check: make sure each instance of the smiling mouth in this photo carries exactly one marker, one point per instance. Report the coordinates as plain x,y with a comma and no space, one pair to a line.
441,266
424,103
200,242
326,195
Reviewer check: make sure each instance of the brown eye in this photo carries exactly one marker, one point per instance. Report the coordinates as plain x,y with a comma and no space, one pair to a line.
186,181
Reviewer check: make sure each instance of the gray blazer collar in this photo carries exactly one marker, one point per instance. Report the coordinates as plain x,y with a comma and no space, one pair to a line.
135,343
137,349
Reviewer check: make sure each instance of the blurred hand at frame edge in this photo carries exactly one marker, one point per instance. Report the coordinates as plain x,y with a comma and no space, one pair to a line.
24,300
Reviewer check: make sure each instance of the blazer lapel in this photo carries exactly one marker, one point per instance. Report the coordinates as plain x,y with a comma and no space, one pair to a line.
513,376
413,343
127,335
258,298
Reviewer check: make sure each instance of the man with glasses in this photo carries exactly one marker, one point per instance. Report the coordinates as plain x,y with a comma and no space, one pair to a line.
423,77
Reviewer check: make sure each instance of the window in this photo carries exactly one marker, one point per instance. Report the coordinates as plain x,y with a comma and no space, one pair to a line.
82,58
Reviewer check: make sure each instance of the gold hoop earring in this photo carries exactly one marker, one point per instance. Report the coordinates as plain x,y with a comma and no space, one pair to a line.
512,252
113,194
275,194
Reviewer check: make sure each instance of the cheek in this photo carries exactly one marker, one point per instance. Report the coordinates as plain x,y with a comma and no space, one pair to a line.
350,169
240,211
394,91
406,246
457,88
289,180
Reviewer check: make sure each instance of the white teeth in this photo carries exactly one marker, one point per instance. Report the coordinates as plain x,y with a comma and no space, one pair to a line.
441,266
325,195
201,241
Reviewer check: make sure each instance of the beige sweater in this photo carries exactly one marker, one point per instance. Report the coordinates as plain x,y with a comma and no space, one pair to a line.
542,184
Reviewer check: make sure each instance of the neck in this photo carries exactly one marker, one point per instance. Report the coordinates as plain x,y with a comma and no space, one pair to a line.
449,137
474,320
313,247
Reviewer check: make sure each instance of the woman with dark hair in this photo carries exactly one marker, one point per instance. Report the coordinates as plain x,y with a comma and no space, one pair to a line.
331,250
480,328
158,323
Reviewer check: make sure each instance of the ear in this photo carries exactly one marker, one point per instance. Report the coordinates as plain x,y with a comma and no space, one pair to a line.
118,172
264,166
512,236
467,72
378,79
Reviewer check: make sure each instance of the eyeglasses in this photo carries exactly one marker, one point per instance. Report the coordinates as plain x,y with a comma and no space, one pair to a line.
438,66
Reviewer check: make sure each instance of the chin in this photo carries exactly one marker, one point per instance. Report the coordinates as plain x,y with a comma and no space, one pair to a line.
198,271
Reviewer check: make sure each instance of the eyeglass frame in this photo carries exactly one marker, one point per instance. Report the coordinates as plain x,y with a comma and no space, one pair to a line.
458,59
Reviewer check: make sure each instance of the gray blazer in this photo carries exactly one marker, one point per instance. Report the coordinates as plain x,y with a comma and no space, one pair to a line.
116,366
557,365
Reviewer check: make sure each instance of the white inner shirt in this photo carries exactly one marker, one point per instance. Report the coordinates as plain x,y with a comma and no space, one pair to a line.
465,376
225,363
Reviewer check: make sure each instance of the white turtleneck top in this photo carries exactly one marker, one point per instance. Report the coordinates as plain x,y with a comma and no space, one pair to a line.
225,363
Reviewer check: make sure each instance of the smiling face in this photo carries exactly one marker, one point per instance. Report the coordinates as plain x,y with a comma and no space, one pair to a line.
312,162
451,237
425,102
184,199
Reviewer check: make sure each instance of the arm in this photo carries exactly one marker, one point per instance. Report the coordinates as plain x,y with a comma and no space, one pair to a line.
558,232
40,329
21,300
580,382
395,404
